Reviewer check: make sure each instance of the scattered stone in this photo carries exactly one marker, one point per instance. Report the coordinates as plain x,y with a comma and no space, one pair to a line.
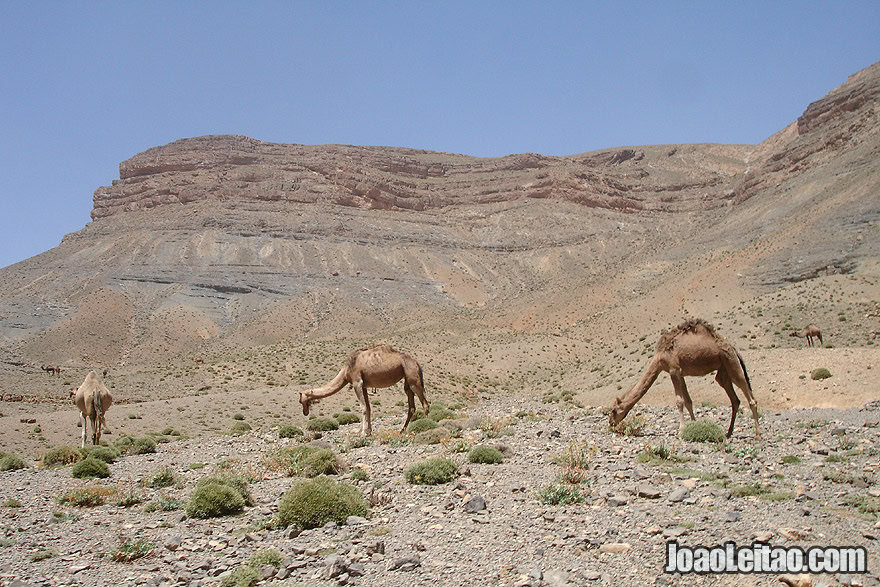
796,580
792,533
173,542
675,532
648,491
406,563
267,572
355,520
678,494
335,565
733,516
474,505
617,500
615,547
556,578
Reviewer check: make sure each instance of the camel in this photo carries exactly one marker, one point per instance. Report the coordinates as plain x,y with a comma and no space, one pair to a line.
692,349
378,366
93,401
51,369
809,332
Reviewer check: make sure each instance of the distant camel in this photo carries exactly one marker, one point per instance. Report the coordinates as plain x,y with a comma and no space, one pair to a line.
51,369
692,349
379,366
93,401
809,332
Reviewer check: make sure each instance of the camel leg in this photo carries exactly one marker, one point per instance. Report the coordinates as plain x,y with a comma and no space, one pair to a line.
411,407
682,400
723,379
819,336
360,390
84,424
739,379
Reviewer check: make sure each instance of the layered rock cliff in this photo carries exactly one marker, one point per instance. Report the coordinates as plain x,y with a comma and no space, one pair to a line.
240,168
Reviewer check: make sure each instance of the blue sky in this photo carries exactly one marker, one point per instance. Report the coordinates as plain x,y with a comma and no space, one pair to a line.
85,85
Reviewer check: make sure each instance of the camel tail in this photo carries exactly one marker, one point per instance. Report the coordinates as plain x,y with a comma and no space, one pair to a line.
745,372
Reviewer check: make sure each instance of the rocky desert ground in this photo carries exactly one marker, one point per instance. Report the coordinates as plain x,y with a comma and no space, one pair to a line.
222,275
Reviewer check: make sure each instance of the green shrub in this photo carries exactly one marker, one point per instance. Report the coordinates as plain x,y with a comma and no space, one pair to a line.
322,425
359,475
128,499
129,550
654,454
288,431
432,472
108,454
748,490
238,417
60,455
162,478
305,459
43,554
559,493
702,431
236,482
486,455
433,436
267,557
212,500
240,428
345,418
164,504
820,373
320,461
11,462
420,425
439,412
131,445
85,497
314,502
245,576
791,460
89,467
631,426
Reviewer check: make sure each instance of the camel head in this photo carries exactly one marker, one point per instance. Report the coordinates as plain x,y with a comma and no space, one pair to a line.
616,414
306,403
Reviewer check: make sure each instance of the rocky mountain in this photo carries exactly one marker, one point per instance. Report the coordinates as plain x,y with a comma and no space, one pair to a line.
226,240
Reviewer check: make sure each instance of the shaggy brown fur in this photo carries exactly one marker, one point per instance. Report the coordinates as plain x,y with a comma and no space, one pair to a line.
93,400
692,349
379,366
809,332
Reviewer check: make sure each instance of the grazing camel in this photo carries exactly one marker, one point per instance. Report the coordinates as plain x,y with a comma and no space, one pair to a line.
692,349
378,366
809,332
52,370
93,401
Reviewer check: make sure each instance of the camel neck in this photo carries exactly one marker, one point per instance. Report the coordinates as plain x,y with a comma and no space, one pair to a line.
330,388
641,388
